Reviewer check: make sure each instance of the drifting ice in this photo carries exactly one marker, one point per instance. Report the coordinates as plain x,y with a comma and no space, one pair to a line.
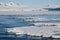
51,31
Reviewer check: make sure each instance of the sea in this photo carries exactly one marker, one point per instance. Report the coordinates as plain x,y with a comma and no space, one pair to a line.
11,21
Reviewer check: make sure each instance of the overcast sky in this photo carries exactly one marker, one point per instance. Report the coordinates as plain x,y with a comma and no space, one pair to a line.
34,3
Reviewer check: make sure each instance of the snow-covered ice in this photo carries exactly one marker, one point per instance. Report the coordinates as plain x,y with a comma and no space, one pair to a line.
36,31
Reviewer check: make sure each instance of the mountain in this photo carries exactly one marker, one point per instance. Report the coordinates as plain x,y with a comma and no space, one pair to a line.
23,8
55,7
11,4
15,7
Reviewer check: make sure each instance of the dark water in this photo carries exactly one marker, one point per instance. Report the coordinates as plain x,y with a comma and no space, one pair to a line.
10,21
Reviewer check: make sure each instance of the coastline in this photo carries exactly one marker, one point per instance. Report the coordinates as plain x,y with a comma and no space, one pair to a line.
27,12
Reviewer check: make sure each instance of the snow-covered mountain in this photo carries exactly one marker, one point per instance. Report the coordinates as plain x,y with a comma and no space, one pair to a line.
15,7
55,7
11,4
23,8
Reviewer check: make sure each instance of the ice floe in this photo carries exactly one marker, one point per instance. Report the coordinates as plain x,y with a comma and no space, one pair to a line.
36,31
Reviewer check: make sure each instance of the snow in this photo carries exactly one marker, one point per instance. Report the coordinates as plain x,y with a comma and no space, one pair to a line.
53,6
12,8
47,24
36,19
15,7
36,31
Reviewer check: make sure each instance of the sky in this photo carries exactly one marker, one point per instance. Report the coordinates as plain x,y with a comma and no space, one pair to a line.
34,3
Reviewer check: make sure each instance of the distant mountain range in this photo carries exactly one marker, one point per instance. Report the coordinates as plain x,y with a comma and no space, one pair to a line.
53,7
21,8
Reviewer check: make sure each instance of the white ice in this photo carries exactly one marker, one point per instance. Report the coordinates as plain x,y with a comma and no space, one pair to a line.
36,31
